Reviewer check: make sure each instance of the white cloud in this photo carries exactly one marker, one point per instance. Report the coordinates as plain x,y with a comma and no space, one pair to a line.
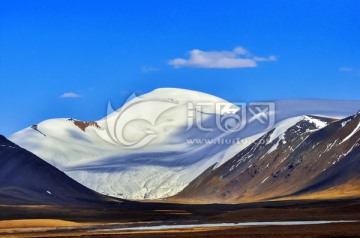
345,69
270,58
148,69
241,51
70,95
237,58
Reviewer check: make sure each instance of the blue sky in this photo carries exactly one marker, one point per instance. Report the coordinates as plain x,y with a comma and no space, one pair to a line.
105,50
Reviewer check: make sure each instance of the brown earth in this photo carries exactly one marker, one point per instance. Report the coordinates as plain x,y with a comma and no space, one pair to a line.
32,223
83,125
301,231
84,221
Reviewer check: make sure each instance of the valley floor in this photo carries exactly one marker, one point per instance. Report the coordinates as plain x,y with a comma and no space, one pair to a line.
47,221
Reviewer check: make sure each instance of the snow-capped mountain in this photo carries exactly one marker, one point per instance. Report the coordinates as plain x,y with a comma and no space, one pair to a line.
90,153
307,157
26,179
151,147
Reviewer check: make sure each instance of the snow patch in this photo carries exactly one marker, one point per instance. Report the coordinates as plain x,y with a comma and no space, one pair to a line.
329,146
273,148
265,179
345,122
318,123
351,134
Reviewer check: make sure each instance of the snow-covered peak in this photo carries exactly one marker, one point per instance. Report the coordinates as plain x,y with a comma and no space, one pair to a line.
180,96
283,126
97,154
315,121
151,119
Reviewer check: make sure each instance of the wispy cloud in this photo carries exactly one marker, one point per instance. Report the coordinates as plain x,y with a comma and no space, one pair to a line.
70,95
237,58
345,69
148,69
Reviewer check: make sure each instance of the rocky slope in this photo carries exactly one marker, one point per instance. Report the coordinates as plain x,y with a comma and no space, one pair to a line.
303,161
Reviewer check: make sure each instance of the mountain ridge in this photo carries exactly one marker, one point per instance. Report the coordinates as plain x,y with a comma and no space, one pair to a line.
310,163
27,179
168,163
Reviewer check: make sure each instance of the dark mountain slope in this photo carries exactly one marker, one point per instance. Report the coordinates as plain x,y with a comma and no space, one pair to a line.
27,179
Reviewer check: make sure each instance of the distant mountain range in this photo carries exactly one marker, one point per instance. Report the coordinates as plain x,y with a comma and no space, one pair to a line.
312,150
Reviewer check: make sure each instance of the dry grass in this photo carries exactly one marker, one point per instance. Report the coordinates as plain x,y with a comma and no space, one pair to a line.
37,223
348,190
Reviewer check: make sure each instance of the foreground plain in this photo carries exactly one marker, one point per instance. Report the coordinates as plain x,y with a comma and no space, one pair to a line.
89,222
